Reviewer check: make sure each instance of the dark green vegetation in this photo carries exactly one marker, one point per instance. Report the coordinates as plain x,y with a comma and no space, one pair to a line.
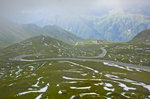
11,33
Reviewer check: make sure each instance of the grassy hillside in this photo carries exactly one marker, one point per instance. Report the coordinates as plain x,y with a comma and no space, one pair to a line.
132,53
142,37
61,79
48,47
91,41
38,45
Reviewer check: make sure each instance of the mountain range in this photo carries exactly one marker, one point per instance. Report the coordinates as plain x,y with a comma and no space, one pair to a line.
115,26
11,33
47,45
118,27
74,49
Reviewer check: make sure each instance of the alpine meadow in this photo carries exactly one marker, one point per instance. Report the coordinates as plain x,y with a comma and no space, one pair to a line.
74,49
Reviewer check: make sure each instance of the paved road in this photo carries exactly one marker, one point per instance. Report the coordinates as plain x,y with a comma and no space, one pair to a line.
104,52
144,68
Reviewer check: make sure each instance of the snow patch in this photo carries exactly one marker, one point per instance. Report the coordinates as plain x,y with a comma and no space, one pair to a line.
38,80
44,89
92,93
125,87
88,87
96,71
68,78
109,89
59,92
108,85
38,97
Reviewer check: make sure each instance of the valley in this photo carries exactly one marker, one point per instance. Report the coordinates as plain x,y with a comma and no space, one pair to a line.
74,49
42,67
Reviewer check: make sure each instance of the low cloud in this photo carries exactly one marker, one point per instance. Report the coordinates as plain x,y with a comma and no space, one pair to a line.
27,8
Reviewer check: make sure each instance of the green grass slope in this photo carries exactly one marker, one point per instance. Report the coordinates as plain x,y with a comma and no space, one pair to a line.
133,53
142,37
38,45
48,47
90,41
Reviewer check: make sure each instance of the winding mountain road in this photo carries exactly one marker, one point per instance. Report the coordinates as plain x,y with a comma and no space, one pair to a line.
144,68
101,55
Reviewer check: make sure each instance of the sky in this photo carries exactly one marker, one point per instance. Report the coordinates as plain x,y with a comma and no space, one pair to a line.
30,8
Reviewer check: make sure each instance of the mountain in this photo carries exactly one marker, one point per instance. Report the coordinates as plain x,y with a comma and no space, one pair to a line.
115,26
75,24
61,34
39,45
121,27
142,37
53,31
56,79
32,29
47,47
11,33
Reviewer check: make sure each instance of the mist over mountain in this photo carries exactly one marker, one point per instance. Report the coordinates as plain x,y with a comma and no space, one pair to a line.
74,49
113,21
11,33
116,26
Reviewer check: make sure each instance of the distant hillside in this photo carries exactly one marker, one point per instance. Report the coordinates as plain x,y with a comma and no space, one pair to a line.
142,37
11,33
47,47
32,29
120,27
38,44
90,41
111,27
61,34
